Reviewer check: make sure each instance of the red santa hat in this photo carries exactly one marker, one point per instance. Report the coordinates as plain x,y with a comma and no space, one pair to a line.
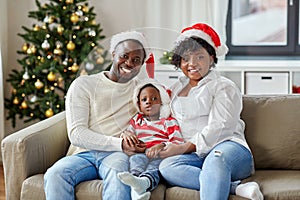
165,110
206,33
130,35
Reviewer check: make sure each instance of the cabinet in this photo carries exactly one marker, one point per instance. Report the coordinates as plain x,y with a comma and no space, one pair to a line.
285,75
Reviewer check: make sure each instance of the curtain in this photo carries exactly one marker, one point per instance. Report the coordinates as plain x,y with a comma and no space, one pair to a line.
163,20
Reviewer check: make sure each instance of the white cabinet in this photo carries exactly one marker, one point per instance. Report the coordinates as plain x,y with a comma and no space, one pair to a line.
251,76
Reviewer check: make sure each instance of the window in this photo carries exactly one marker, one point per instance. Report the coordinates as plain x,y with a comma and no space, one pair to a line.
263,27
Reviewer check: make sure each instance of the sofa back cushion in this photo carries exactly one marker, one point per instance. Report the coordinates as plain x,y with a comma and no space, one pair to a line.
273,130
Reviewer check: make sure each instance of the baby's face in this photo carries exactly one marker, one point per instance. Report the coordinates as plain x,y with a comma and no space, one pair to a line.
150,102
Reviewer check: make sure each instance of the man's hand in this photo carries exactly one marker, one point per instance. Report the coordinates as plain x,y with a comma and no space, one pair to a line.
140,147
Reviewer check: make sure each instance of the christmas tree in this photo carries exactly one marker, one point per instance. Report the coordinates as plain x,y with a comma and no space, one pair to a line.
166,58
64,39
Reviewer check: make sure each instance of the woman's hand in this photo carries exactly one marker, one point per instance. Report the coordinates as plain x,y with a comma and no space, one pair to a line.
177,149
154,151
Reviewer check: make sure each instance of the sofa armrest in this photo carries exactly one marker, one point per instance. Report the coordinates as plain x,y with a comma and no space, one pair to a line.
32,150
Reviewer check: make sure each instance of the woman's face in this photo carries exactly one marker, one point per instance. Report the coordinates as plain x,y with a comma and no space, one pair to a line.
128,59
195,65
150,102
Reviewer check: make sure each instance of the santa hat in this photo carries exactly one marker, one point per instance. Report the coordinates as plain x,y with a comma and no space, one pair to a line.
165,110
206,33
130,35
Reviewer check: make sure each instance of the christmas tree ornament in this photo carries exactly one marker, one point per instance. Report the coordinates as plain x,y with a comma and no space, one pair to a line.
86,19
49,113
52,88
57,51
24,105
51,76
16,101
22,82
85,8
26,75
83,72
70,45
74,18
100,60
65,62
38,84
31,50
46,90
92,33
31,114
89,66
25,47
79,13
74,67
36,27
44,26
33,99
46,45
60,29
51,19
46,19
69,1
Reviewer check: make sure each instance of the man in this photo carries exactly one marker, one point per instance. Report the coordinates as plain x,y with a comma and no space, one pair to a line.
98,109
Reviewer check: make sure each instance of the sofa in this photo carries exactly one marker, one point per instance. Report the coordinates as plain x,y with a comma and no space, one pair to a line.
272,131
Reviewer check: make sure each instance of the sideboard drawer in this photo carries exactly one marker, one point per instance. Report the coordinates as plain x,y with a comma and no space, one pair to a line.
167,78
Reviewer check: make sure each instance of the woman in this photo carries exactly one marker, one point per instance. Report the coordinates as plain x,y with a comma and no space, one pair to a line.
207,106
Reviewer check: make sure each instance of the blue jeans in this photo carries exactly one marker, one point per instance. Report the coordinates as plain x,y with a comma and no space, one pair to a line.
212,175
141,165
68,172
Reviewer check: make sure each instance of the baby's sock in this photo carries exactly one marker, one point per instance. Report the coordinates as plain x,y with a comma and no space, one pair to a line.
143,196
249,190
138,184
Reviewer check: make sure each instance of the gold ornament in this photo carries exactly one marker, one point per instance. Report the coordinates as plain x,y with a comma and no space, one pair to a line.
49,113
74,67
58,51
36,27
60,29
51,19
74,18
46,90
100,60
16,101
51,76
25,47
71,45
69,1
24,105
38,84
85,9
44,26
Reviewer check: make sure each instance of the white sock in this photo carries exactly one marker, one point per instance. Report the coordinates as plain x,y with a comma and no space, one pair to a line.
143,196
138,184
249,190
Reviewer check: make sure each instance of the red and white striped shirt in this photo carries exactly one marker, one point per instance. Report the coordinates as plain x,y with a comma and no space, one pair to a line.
155,132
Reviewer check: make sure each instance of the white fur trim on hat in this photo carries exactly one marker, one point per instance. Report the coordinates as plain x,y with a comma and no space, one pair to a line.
165,110
220,50
130,35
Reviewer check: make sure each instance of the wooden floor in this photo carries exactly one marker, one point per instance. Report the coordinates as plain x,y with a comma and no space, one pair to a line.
2,189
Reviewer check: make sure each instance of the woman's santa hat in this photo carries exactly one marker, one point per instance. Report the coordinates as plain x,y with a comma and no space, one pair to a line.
206,33
165,110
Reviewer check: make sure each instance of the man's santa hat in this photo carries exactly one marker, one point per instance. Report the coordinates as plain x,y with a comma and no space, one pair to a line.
165,110
130,35
140,37
206,33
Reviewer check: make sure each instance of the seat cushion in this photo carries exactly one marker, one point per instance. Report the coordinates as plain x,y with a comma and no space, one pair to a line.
33,188
278,184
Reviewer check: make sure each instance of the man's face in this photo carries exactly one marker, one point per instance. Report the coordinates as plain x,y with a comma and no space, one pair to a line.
128,59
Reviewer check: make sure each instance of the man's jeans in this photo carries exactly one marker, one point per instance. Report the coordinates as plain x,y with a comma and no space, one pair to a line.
212,175
68,172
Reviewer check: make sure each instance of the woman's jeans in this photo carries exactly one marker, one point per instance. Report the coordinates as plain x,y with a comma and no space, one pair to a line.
141,165
65,174
212,175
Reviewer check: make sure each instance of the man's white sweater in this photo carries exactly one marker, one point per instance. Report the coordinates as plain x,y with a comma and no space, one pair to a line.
97,111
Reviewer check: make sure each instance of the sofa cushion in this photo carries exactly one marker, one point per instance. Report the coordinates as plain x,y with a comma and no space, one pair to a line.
33,188
278,184
273,130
